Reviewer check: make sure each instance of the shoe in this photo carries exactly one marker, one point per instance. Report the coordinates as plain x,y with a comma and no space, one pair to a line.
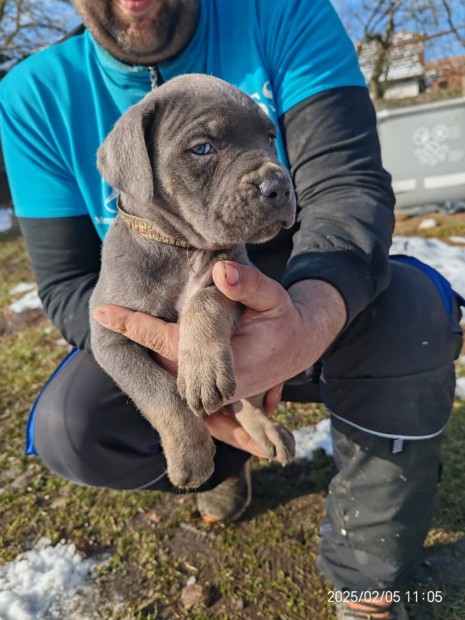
229,500
396,611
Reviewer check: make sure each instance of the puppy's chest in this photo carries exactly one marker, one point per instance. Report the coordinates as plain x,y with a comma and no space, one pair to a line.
199,277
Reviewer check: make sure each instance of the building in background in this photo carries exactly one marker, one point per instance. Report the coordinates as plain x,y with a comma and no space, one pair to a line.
446,74
403,74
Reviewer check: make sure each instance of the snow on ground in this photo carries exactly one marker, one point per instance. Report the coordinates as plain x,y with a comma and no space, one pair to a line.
456,239
311,438
6,219
41,582
29,301
447,259
22,287
460,388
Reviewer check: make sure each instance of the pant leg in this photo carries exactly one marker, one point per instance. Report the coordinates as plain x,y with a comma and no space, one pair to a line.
86,430
392,372
388,382
378,509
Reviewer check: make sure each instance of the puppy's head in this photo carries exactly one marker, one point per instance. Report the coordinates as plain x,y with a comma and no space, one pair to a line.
197,157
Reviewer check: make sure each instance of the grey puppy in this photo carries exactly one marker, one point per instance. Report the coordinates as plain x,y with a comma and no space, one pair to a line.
198,175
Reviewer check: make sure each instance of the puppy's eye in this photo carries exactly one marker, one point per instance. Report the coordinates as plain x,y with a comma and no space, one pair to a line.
272,139
202,149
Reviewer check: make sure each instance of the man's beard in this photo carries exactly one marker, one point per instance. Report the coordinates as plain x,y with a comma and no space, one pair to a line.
153,37
140,41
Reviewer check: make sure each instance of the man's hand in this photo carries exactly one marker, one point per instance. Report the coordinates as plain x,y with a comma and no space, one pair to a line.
281,333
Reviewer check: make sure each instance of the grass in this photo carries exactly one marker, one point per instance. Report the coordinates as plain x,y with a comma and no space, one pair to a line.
263,567
447,226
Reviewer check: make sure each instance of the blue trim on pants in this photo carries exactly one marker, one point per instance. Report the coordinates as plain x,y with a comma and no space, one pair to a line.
444,288
30,447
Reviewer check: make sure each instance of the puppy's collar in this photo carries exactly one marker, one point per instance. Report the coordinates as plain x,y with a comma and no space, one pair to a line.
146,229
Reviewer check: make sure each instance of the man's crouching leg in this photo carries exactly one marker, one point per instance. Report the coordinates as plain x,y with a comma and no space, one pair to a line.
87,431
378,511
388,382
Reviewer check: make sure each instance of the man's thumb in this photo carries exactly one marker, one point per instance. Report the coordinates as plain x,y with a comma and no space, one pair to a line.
247,285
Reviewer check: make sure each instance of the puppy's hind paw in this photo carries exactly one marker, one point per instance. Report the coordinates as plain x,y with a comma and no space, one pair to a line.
276,441
191,466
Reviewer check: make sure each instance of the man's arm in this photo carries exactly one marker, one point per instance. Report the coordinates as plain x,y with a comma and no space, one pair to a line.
344,196
65,255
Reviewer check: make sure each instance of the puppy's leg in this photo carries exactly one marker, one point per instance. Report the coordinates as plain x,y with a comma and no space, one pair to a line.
186,441
276,441
205,369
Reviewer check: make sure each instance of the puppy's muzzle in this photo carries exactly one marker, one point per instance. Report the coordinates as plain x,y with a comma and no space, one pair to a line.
275,194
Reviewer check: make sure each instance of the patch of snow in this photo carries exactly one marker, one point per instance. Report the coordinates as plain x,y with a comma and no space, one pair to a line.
38,581
456,239
311,438
22,287
429,222
460,388
6,219
447,259
29,301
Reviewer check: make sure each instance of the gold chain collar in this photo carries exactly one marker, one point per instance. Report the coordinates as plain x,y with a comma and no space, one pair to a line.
146,229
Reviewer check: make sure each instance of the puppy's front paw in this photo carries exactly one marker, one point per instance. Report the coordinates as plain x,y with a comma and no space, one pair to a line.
190,460
205,380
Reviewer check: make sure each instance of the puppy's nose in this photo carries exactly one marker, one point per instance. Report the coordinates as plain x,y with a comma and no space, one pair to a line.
275,189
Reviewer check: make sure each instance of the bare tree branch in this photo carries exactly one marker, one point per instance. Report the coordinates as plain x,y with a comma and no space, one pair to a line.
453,27
388,30
28,25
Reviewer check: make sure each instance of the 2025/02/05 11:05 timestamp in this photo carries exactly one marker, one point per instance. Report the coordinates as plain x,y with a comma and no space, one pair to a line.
393,596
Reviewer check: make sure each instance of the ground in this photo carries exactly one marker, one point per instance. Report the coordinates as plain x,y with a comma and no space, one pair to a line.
263,567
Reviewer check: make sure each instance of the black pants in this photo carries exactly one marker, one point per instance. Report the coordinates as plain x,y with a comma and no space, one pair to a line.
388,382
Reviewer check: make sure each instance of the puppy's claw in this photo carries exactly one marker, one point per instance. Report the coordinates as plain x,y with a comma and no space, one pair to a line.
285,452
181,385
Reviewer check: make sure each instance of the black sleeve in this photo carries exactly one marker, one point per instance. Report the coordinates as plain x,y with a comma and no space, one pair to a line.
345,200
65,255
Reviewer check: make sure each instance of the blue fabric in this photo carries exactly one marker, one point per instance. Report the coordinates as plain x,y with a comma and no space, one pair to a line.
57,106
30,447
445,289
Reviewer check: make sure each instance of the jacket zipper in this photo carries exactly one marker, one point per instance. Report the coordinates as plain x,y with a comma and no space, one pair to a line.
155,77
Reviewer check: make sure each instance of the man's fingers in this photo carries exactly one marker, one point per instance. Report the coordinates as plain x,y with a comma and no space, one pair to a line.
247,285
229,431
145,329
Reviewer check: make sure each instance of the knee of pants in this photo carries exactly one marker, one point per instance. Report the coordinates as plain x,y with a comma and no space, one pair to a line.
393,366
87,431
379,509
407,329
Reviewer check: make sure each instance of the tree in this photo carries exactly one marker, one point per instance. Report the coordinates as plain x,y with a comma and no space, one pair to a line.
455,16
390,31
29,25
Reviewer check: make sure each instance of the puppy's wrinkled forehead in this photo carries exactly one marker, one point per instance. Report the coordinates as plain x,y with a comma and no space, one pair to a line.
209,107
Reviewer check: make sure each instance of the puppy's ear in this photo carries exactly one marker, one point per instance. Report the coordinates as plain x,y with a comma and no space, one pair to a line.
123,157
